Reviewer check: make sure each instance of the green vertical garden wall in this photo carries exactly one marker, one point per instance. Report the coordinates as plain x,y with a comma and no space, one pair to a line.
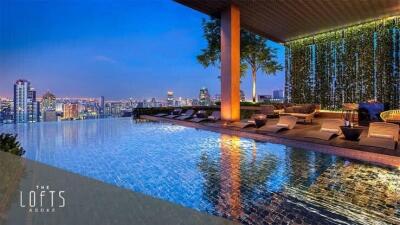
353,64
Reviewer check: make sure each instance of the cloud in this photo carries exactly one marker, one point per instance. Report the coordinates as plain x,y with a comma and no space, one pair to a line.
102,58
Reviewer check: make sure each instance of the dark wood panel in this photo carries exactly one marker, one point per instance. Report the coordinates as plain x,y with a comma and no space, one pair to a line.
283,20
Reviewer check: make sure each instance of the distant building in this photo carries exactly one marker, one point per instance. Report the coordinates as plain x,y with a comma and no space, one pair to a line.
264,98
186,102
6,111
153,103
115,109
278,94
48,102
49,116
102,106
170,98
217,98
59,107
71,111
195,102
48,107
242,96
204,97
26,108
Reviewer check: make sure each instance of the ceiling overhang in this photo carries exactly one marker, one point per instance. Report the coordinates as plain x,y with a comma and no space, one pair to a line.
283,20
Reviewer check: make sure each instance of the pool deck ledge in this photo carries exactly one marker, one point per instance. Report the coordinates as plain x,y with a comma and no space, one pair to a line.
392,161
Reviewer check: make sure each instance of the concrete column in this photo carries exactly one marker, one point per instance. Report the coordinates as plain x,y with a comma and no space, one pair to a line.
230,64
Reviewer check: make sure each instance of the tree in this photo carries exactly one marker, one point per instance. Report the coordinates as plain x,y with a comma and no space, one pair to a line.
211,56
9,143
254,52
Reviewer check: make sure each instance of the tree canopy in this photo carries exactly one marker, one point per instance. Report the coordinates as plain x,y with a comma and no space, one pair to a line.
254,51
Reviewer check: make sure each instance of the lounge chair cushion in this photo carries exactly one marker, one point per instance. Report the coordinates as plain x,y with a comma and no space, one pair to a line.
241,125
378,142
323,135
271,128
300,115
282,125
331,130
381,135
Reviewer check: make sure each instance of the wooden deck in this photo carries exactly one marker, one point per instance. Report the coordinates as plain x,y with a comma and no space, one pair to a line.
296,138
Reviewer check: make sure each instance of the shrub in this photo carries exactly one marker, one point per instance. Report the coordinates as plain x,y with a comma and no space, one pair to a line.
9,143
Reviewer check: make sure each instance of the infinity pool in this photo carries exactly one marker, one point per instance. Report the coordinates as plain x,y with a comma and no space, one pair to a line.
236,178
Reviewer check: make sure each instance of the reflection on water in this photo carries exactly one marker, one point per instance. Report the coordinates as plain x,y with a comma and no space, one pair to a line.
240,179
297,186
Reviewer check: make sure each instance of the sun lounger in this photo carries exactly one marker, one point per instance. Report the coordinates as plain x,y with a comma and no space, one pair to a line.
243,124
201,114
215,116
161,114
187,115
381,134
284,123
268,110
329,129
175,113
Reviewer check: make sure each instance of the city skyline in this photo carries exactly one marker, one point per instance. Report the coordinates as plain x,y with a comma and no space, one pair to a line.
41,93
134,52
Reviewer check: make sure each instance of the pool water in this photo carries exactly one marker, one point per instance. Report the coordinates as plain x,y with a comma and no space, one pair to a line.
236,178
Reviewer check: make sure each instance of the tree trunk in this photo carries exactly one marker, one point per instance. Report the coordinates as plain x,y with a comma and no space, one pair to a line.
253,79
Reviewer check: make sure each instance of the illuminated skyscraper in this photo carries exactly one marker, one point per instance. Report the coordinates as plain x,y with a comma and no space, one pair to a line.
101,106
71,111
204,97
242,96
48,102
153,102
48,107
170,98
277,94
26,108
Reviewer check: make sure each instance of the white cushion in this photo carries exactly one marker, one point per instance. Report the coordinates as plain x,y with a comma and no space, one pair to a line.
388,136
330,130
282,125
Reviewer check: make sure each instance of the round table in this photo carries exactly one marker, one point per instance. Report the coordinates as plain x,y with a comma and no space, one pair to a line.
260,120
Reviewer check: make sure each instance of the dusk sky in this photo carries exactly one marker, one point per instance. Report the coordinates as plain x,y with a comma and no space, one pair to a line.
138,49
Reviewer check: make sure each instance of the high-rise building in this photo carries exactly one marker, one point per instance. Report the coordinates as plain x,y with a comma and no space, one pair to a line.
153,103
71,111
217,98
170,98
21,88
116,108
26,108
264,98
242,96
204,97
6,111
59,107
277,94
101,106
48,102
